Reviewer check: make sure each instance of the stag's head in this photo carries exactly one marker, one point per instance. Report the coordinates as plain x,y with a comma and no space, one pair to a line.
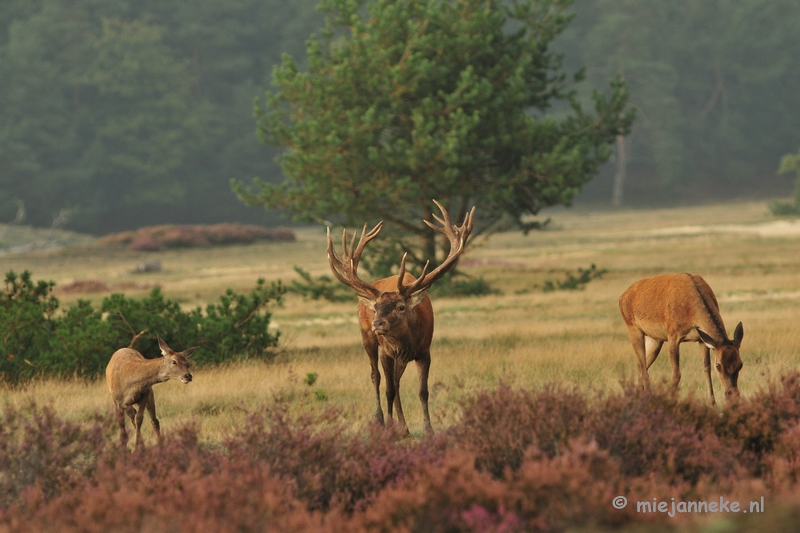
726,359
175,365
392,307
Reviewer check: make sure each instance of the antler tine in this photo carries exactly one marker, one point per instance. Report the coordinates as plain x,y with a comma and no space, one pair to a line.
400,285
345,266
457,235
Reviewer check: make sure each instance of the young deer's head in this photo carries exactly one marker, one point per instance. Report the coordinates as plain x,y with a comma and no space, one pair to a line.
727,360
175,365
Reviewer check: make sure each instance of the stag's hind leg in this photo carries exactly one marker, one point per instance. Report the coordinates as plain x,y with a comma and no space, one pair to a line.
674,347
652,348
423,367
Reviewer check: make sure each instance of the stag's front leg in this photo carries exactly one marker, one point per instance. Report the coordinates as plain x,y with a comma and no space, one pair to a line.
371,346
399,369
423,367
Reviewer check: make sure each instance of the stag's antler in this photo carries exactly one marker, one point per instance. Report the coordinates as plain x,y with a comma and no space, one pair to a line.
345,266
457,235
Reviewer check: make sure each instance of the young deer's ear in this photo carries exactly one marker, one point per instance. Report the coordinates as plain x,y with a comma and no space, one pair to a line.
165,350
738,334
188,353
706,338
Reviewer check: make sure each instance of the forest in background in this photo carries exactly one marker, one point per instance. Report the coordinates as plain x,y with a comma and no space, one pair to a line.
118,114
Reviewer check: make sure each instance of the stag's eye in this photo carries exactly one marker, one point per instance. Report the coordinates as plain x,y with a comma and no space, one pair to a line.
401,308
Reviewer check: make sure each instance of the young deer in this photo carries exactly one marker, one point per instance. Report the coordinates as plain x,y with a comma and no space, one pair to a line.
395,313
130,378
680,308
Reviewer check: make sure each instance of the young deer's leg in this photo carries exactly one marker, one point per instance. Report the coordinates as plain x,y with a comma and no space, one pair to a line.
674,347
371,347
637,341
707,370
652,348
119,413
137,422
423,367
151,410
399,368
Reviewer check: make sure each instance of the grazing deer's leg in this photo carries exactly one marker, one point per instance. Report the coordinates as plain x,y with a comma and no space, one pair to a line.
151,410
371,346
120,415
388,371
653,348
423,367
707,370
674,347
399,369
637,340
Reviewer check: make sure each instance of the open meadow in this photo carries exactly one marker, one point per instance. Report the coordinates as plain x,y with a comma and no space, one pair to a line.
539,424
524,337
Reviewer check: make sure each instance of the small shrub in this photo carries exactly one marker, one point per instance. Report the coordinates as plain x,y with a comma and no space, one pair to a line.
310,379
452,287
154,238
574,282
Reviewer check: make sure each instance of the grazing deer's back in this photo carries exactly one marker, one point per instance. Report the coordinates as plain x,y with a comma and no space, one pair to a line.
122,364
677,300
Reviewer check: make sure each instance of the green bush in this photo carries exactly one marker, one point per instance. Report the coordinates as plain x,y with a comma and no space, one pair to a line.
82,339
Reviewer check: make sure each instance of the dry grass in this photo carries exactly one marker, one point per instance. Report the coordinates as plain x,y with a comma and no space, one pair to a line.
524,337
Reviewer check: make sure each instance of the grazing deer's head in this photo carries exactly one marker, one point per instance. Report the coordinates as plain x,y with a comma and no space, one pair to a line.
392,308
727,360
175,365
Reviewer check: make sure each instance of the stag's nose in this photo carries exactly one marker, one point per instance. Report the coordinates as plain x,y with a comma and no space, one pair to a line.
378,324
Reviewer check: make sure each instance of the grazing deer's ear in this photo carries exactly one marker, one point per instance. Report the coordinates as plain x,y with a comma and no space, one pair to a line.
416,298
738,334
368,302
188,353
706,338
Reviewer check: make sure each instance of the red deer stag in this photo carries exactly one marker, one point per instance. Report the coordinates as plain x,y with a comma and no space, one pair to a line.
130,378
395,313
680,308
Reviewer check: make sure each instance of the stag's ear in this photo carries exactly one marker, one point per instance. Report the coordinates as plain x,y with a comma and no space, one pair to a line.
188,353
165,350
738,334
706,338
416,298
368,302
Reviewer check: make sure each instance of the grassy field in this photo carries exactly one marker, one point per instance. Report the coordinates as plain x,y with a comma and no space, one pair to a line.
524,337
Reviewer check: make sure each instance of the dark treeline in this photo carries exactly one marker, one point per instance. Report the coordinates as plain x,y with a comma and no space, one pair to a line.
132,113
129,113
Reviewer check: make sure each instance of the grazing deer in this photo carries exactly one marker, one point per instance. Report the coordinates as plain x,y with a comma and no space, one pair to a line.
395,313
130,378
680,308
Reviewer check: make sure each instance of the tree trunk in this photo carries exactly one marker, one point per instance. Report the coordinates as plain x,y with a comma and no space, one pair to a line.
619,177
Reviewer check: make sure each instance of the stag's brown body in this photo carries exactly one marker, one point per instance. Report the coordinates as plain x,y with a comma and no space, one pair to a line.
676,308
396,315
130,379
